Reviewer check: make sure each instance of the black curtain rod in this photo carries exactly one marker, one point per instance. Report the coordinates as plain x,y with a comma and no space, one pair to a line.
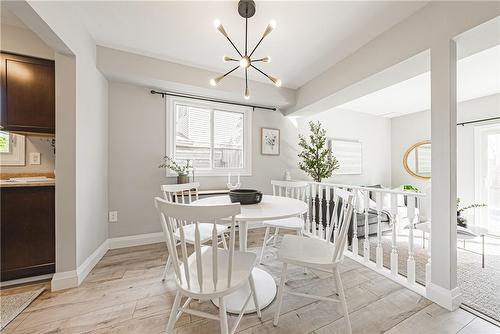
478,120
202,98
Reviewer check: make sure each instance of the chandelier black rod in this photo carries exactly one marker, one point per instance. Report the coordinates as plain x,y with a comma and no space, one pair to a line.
256,46
230,71
262,72
246,34
234,46
208,99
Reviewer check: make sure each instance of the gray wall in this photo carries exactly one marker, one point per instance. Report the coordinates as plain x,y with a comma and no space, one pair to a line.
137,132
409,129
374,134
406,131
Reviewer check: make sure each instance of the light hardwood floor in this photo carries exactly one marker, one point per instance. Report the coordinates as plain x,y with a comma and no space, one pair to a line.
124,294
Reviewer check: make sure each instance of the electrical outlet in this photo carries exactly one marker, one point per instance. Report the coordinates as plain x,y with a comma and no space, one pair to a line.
35,158
113,216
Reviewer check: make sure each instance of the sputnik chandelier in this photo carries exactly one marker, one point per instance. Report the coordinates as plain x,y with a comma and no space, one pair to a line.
246,9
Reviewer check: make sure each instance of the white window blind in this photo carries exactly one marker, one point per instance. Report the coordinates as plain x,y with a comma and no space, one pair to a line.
214,137
348,154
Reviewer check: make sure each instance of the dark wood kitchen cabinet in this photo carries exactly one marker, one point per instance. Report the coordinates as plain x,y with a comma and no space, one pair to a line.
27,231
27,94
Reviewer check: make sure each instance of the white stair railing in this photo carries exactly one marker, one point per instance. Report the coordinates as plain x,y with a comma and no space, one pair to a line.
322,217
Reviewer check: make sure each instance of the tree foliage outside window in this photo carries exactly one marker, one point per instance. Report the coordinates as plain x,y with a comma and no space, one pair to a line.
317,158
4,142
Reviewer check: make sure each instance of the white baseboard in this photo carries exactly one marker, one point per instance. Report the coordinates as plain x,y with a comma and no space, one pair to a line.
26,280
73,278
86,267
136,240
449,299
64,280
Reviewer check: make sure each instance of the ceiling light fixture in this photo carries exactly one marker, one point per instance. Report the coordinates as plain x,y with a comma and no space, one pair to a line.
246,9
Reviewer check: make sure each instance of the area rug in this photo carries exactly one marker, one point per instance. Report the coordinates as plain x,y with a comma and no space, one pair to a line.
12,305
480,287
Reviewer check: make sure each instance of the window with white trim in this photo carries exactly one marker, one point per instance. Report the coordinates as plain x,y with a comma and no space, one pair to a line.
12,149
215,137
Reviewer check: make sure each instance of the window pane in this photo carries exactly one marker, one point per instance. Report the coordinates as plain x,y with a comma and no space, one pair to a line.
228,139
4,142
193,136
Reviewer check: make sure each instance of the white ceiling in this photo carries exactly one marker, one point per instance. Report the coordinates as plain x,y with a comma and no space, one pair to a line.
309,37
478,75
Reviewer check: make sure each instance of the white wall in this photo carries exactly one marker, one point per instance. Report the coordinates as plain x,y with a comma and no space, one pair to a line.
409,129
373,132
81,130
137,133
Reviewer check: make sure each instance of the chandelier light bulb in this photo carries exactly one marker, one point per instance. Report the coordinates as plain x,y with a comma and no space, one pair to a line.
245,62
245,59
276,81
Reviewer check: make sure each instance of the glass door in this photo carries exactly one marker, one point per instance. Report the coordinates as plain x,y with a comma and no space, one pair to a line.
487,176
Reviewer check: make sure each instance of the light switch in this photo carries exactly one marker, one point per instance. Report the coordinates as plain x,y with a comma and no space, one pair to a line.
35,158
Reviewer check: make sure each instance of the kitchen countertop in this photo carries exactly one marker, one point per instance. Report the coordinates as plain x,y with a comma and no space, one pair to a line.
48,182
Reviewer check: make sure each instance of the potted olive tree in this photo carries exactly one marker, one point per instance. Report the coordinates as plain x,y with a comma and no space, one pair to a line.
318,162
317,158
181,170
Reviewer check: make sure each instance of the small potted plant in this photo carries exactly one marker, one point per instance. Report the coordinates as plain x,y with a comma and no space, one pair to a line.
181,170
461,221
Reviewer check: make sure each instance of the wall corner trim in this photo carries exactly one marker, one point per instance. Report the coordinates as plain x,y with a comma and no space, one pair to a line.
64,280
86,267
72,279
449,299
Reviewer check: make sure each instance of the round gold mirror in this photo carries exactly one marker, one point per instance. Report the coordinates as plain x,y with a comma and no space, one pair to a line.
417,160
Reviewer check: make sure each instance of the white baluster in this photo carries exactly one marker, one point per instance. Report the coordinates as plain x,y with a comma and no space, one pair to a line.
410,263
336,211
395,222
366,245
427,204
355,224
379,249
319,230
328,223
308,214
313,221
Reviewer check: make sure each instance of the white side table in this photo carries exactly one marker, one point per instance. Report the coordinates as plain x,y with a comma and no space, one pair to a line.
469,233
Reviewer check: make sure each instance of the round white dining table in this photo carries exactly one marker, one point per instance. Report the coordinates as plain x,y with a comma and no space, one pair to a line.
270,208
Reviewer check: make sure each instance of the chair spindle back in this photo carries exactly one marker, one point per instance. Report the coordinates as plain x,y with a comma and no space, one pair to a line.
175,214
184,193
292,189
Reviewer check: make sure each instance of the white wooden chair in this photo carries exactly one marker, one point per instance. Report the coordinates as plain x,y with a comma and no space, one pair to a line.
320,255
186,193
291,189
209,272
